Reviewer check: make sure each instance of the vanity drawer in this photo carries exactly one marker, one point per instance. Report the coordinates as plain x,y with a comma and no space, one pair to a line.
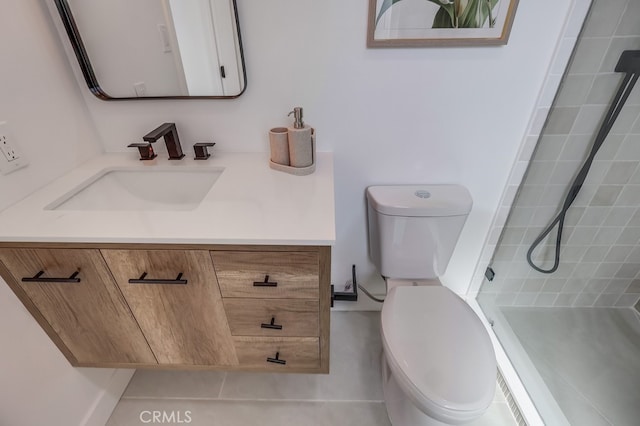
263,274
278,353
272,317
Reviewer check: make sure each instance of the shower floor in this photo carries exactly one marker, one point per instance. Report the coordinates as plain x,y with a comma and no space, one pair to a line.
589,358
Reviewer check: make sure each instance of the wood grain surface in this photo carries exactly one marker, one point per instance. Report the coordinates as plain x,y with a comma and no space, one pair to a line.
295,272
91,317
298,317
298,352
184,324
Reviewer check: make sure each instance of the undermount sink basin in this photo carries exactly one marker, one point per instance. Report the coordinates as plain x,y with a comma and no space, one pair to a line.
157,188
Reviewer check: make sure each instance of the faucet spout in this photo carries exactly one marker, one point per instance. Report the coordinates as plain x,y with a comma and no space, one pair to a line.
170,134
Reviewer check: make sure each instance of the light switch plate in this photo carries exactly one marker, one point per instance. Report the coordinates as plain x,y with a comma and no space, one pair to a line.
11,158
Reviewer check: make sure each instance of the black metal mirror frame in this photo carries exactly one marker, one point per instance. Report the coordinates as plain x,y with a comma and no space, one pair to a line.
87,70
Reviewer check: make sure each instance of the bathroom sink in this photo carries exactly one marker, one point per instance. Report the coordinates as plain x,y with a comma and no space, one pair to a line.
135,189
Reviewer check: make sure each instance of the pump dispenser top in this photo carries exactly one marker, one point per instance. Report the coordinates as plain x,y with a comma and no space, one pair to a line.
297,116
300,141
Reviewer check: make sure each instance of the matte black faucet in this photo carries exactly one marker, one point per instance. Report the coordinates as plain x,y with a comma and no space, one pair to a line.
170,134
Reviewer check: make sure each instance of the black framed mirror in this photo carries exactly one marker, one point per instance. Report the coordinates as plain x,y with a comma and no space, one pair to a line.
157,49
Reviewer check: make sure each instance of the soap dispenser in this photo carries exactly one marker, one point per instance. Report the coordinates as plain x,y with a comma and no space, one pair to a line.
300,141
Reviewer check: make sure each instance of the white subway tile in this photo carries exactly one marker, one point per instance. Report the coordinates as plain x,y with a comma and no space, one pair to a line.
525,299
627,300
606,300
585,299
565,299
545,299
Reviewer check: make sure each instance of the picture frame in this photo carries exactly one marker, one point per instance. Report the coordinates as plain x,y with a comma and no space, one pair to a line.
433,23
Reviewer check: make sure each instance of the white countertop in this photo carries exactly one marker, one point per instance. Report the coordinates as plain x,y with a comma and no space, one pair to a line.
249,204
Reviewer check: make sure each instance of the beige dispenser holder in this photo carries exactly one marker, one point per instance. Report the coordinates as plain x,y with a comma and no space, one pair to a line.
301,139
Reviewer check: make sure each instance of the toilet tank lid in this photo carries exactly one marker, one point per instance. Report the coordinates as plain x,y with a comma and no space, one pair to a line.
420,200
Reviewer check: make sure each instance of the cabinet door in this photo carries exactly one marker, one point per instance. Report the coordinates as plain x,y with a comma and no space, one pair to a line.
182,318
90,317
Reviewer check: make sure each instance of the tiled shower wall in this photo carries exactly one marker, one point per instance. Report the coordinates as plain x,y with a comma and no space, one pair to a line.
600,257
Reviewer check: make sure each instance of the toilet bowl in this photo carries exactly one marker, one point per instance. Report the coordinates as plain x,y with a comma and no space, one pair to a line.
438,362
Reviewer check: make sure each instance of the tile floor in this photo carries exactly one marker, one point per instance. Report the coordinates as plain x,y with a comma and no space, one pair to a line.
350,395
589,359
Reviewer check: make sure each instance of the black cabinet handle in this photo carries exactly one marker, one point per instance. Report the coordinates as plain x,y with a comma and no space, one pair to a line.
277,359
37,278
142,280
272,325
265,283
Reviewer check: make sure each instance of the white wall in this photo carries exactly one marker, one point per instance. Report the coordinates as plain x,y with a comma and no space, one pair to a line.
118,31
389,115
40,101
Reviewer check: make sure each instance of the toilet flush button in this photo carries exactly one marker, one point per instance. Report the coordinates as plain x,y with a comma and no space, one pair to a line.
421,193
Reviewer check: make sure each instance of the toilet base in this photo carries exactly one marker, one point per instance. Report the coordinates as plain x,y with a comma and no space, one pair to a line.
400,409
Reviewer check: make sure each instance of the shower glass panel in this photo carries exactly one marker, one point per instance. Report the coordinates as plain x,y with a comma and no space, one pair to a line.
573,335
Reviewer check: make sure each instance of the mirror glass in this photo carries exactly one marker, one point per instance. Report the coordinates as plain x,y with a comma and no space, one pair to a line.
134,49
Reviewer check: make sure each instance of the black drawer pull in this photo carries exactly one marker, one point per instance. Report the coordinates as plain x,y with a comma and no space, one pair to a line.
37,278
272,325
142,280
277,359
265,283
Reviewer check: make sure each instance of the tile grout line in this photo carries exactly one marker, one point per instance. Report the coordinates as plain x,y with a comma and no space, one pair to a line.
212,402
140,398
224,380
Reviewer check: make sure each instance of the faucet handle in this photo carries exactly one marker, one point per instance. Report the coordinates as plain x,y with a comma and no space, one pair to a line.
145,149
200,149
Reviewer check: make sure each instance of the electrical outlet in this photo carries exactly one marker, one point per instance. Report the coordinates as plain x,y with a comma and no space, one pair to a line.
7,149
10,159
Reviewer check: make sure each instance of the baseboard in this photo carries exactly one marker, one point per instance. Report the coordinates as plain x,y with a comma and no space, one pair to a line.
106,402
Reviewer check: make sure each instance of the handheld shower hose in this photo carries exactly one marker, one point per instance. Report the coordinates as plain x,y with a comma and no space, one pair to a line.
629,63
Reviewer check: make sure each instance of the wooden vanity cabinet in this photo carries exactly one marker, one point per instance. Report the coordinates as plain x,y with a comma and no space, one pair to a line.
86,316
273,303
257,308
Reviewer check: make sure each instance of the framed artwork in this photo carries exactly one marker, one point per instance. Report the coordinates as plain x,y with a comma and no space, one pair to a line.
423,23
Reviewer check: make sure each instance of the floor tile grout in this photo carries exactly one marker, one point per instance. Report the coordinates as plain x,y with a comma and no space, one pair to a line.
243,395
224,379
164,398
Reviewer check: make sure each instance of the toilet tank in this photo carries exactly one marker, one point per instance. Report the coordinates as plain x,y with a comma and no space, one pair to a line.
413,229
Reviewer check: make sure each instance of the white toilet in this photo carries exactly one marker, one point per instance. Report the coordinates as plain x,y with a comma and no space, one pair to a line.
438,363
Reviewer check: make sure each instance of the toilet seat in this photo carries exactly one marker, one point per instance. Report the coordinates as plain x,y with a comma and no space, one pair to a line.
439,352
